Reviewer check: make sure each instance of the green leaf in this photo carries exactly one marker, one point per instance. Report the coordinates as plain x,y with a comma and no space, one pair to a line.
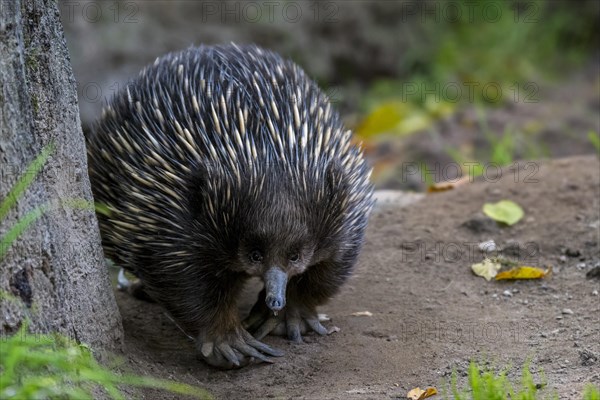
505,211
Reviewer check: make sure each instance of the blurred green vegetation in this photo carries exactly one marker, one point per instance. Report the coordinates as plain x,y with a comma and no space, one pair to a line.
591,392
38,366
501,149
490,52
595,140
52,366
485,384
17,191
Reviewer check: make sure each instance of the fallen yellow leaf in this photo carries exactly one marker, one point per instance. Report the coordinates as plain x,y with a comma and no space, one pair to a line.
420,394
523,272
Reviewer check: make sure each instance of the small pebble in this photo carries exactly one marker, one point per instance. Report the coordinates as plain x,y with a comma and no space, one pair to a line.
572,252
567,311
595,293
559,317
488,246
593,273
507,293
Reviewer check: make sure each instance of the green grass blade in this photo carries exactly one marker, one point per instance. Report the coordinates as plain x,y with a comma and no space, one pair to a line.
20,227
36,213
591,392
595,140
83,204
57,367
25,181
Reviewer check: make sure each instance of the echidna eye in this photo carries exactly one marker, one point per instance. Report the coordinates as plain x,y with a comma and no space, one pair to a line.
256,256
295,257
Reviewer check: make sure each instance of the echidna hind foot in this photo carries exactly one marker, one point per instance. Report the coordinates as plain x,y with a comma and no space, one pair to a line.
295,320
222,163
135,287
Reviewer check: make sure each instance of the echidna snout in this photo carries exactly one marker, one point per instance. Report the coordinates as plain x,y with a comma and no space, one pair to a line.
275,283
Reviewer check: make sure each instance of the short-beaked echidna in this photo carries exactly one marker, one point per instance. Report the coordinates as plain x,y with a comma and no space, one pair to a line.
220,163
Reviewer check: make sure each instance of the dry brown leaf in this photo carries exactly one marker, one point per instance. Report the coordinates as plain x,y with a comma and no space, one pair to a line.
448,185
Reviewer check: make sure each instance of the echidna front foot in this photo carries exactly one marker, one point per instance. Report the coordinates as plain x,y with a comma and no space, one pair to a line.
235,350
295,320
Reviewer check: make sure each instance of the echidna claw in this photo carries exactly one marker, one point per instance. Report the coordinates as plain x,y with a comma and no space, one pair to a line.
291,322
235,350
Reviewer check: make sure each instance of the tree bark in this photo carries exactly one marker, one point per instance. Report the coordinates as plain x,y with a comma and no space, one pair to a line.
54,274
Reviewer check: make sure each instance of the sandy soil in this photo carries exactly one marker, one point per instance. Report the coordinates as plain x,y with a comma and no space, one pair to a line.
430,314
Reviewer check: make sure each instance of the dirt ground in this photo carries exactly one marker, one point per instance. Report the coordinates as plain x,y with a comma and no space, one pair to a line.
430,314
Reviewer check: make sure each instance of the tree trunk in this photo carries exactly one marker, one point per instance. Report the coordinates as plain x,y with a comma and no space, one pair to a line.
54,273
